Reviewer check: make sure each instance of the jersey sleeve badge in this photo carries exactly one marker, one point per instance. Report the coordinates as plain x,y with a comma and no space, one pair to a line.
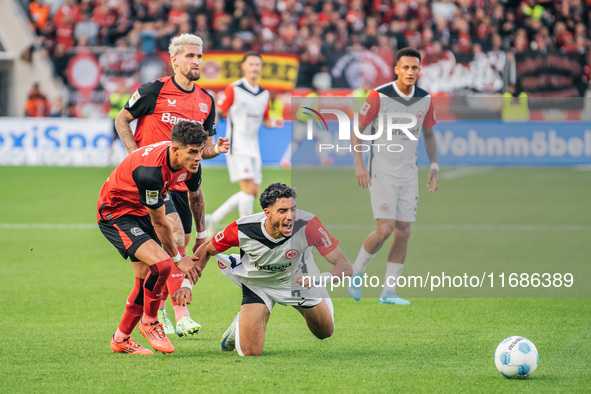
134,98
151,197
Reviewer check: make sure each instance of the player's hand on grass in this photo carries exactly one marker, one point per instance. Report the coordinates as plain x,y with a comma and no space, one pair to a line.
183,296
363,178
187,267
434,179
224,144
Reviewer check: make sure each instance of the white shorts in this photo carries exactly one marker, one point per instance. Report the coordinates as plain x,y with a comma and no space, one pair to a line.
243,167
283,296
389,201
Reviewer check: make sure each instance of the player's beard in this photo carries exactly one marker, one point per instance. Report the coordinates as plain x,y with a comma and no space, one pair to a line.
193,75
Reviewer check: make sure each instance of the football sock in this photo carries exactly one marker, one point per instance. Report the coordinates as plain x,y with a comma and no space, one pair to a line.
153,286
180,312
362,260
133,311
237,339
393,270
330,307
245,206
287,154
228,206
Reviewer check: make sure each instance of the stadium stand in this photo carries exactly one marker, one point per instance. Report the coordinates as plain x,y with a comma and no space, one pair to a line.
492,37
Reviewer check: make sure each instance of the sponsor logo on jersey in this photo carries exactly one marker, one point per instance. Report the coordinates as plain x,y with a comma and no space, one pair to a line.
134,97
167,117
203,107
137,231
273,268
171,103
325,237
222,265
292,254
151,197
182,177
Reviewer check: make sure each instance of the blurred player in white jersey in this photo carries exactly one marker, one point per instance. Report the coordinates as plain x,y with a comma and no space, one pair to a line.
275,265
392,178
246,106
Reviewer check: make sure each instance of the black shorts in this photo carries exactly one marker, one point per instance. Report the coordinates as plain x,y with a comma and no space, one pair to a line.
250,297
180,205
128,232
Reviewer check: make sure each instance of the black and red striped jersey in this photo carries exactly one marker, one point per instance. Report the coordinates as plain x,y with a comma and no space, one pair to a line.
142,181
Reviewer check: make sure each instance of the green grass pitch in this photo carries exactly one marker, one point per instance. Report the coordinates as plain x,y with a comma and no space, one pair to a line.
63,290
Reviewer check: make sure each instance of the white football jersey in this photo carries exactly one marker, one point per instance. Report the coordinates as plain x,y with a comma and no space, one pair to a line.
246,107
387,162
271,262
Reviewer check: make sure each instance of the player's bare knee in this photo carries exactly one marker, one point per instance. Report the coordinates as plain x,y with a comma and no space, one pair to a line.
384,231
325,332
402,233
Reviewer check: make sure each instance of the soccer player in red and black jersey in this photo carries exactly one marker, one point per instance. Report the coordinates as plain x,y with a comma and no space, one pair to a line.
157,106
131,215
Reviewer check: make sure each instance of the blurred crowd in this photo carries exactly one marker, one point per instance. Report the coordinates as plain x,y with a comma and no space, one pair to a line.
317,31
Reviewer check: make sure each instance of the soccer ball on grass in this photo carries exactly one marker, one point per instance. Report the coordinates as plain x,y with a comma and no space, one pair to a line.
516,357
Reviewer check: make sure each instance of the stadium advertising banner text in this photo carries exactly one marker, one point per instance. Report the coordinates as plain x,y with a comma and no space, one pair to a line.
221,68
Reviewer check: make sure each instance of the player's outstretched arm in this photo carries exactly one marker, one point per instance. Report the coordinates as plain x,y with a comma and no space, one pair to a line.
212,149
431,146
197,206
164,233
342,265
122,125
203,253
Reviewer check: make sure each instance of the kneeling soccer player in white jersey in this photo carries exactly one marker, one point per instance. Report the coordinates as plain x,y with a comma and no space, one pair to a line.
275,266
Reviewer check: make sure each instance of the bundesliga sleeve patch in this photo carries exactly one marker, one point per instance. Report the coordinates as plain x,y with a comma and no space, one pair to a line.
151,197
135,97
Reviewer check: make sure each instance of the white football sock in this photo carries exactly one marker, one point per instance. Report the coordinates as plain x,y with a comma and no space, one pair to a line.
228,206
245,204
287,154
237,339
393,270
330,307
362,260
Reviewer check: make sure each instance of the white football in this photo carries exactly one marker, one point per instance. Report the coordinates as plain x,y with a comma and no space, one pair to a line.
516,357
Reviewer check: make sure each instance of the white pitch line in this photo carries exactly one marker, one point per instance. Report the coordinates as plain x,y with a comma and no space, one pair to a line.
48,226
462,172
476,227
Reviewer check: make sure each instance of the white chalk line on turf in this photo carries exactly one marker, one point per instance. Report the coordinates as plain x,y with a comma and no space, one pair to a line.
474,227
462,172
470,227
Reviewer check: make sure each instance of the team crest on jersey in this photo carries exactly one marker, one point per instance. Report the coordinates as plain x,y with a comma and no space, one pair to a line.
171,103
420,115
181,178
151,197
134,97
292,254
221,265
384,208
203,107
137,231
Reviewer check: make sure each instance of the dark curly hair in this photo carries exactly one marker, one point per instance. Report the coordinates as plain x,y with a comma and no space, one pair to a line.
275,191
188,133
410,52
